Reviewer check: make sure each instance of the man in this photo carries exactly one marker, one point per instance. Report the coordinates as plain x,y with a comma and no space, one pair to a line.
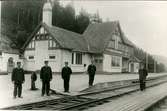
91,71
142,77
33,79
66,72
18,79
46,77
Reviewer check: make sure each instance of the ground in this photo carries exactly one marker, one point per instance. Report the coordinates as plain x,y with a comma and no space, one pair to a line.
78,82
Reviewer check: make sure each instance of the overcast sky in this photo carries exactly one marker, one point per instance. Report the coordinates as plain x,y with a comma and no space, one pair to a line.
143,22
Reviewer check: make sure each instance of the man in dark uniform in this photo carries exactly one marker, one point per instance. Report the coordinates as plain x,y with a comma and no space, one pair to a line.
91,71
33,79
142,77
18,79
66,72
46,77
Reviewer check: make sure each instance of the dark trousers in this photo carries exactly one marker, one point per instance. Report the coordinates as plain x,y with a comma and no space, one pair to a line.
33,85
91,79
17,89
45,87
142,85
66,84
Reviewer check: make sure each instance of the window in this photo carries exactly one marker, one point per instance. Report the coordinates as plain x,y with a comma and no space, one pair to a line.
78,58
72,61
52,43
100,61
31,45
96,60
31,57
52,57
115,61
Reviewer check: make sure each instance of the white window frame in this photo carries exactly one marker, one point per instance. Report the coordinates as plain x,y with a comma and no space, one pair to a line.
74,60
117,61
31,45
51,43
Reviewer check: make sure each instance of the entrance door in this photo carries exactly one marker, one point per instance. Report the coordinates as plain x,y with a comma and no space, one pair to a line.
99,64
132,68
10,65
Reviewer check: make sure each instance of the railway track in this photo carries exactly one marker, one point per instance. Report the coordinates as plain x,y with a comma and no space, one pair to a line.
91,98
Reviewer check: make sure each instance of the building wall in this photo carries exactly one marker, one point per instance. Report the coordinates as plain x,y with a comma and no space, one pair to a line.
136,67
4,60
67,57
41,53
107,67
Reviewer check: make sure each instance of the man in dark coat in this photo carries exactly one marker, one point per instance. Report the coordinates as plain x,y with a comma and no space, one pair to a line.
46,77
66,72
33,79
142,77
91,71
18,79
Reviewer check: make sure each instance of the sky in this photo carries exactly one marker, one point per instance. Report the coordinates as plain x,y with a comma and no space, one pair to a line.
143,22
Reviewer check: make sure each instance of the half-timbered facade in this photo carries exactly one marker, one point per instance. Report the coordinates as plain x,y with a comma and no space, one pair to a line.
105,43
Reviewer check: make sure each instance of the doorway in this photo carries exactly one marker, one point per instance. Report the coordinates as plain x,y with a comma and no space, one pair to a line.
10,65
132,68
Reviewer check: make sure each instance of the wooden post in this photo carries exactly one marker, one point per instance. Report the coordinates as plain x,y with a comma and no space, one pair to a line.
155,66
147,61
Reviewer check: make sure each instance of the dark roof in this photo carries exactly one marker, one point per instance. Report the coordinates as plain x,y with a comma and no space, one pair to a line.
94,39
66,39
5,45
5,37
98,34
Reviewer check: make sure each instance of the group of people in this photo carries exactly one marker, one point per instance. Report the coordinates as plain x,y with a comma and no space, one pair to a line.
18,78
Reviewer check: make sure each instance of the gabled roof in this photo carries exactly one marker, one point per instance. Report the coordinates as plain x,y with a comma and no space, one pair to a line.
66,39
98,35
135,59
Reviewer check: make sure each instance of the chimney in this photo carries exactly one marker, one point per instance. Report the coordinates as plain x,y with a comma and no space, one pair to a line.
47,13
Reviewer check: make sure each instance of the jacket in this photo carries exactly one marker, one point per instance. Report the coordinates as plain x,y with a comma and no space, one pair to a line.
91,69
142,74
46,73
18,75
66,72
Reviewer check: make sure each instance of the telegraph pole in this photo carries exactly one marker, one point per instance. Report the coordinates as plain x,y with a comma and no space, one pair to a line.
147,61
155,66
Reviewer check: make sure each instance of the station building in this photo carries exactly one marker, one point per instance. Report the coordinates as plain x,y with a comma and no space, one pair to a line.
105,43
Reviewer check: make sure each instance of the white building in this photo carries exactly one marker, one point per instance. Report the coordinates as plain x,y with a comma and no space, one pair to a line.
103,42
8,55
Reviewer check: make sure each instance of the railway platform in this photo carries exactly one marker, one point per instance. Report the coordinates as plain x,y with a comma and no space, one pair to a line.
78,83
137,101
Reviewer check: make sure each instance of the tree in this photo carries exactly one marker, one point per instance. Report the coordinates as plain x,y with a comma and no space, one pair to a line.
95,18
27,14
82,21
